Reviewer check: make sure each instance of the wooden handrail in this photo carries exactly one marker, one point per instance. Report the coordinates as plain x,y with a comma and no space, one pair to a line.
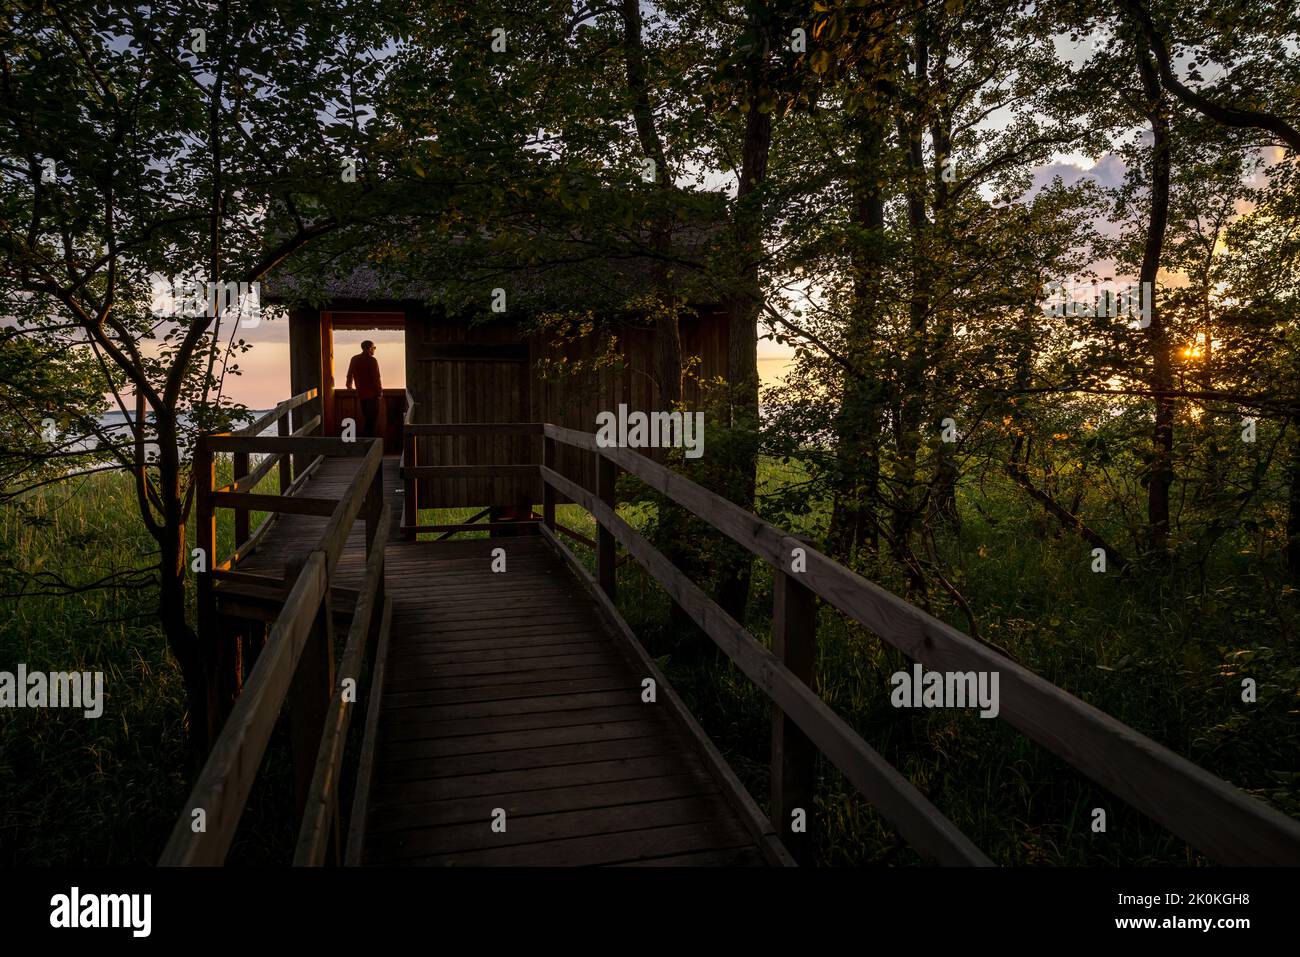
250,481
282,408
305,444
410,487
218,798
322,801
474,428
470,471
1220,820
294,504
892,794
1209,813
226,779
349,507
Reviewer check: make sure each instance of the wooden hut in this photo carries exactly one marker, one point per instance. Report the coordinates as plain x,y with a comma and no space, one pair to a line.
469,364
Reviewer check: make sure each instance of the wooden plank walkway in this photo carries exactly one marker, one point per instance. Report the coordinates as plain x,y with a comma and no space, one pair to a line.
510,692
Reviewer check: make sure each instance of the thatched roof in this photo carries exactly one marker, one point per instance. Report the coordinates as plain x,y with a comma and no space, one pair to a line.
555,273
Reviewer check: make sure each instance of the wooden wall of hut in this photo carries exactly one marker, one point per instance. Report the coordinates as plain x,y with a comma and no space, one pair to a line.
488,373
491,372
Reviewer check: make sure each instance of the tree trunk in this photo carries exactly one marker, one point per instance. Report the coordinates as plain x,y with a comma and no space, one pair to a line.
912,408
667,331
1162,459
183,643
743,306
854,514
173,561
1293,511
947,472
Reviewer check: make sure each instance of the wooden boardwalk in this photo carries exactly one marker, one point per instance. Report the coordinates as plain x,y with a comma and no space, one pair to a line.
511,692
505,721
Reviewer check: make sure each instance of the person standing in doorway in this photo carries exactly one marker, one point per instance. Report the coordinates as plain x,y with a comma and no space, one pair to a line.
364,371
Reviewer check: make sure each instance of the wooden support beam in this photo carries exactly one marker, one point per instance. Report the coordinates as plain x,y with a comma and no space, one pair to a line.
309,697
227,778
205,531
475,428
284,426
548,491
472,521
306,428
410,493
241,511
794,756
606,474
577,536
471,471
299,458
250,578
248,482
293,504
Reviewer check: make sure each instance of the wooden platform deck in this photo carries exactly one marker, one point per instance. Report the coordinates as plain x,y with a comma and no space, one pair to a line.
510,692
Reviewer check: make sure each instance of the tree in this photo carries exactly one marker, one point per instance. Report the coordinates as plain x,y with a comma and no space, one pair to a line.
139,140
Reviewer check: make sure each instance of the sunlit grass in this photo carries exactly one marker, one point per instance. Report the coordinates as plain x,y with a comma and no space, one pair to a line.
74,789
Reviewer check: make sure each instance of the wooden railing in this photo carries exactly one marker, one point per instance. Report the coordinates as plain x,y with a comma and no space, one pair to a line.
297,658
282,416
413,472
1218,819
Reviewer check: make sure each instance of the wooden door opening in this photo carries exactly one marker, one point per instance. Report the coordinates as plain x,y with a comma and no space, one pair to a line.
340,402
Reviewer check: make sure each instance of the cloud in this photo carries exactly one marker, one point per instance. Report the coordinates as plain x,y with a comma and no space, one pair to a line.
1107,172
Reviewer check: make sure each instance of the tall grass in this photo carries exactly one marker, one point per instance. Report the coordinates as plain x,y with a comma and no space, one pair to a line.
74,789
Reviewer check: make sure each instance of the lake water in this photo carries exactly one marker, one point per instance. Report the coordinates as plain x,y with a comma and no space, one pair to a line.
118,426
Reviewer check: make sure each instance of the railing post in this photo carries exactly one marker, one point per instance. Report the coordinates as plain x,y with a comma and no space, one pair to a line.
309,696
296,418
377,505
374,503
205,530
239,470
410,497
374,509
286,460
794,757
605,475
548,492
